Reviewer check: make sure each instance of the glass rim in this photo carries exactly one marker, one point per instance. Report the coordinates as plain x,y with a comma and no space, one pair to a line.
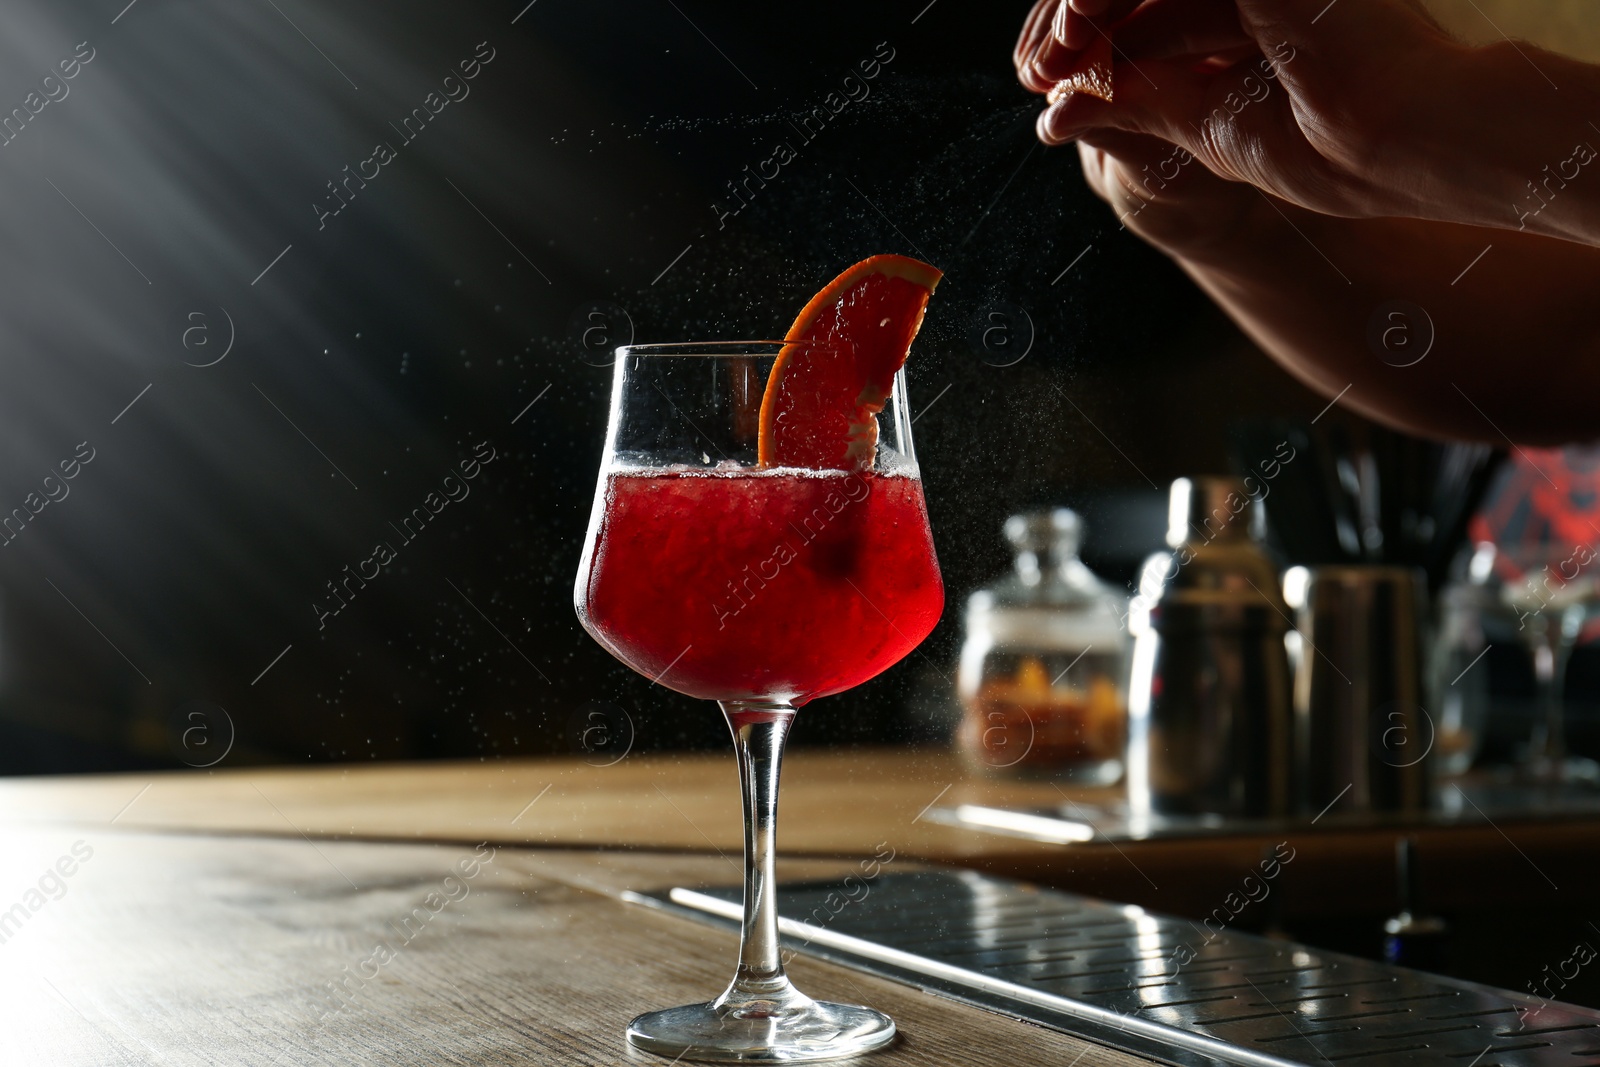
715,349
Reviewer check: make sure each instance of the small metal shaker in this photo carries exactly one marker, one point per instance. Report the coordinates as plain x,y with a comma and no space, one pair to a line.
1210,721
1364,741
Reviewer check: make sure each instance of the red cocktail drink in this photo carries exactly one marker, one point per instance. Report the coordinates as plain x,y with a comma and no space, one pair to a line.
795,564
748,584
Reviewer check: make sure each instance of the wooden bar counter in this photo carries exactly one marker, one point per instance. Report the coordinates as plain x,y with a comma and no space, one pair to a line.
237,916
835,803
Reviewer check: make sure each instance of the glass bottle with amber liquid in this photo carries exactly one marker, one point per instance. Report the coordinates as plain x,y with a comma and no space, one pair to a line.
1043,670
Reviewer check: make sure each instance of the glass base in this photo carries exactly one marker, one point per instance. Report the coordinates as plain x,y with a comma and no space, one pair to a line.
801,1031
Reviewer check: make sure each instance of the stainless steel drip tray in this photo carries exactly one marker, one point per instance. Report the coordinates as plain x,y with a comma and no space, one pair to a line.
1154,985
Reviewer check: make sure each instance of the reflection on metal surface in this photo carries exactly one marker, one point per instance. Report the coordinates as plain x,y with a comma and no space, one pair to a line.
1210,716
1023,824
1361,726
1159,986
1464,803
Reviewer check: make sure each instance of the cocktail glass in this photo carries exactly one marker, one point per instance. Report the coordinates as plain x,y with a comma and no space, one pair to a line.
1554,594
761,589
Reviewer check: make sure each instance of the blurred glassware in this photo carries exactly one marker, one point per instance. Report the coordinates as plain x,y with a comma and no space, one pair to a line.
1458,680
1553,592
1043,672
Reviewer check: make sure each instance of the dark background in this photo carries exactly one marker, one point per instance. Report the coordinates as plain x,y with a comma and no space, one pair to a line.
582,169
581,172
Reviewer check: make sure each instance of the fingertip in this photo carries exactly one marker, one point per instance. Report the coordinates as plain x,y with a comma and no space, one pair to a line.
1078,32
1054,125
1059,23
1042,127
1034,29
1033,79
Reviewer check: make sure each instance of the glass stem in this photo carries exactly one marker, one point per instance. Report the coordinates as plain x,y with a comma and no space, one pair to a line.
760,987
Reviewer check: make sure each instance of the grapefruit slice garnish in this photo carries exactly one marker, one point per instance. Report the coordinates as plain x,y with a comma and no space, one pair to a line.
829,383
1091,73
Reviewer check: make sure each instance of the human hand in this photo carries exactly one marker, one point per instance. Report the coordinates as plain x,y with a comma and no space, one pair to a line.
1362,109
1161,195
1344,165
1305,287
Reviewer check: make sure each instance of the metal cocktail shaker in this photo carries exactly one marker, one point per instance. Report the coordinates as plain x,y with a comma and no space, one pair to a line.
1364,740
1209,700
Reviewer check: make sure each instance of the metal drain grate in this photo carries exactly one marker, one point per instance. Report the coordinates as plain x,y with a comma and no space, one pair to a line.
1117,974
